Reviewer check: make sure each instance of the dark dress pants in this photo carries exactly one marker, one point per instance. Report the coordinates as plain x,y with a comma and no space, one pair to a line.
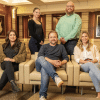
8,73
34,45
69,46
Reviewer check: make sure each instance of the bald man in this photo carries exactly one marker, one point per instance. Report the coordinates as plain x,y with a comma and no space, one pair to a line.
68,28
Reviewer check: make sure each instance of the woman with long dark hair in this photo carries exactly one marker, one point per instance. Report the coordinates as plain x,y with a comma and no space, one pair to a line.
12,52
36,32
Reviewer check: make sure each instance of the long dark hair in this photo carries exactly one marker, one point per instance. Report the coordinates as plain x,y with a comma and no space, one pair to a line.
7,41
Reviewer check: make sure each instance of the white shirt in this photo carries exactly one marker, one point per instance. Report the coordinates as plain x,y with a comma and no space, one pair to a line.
87,54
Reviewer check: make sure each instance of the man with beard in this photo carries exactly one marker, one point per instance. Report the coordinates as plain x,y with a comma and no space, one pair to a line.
68,28
49,58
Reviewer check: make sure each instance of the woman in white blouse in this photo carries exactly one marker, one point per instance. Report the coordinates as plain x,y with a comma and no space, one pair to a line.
87,55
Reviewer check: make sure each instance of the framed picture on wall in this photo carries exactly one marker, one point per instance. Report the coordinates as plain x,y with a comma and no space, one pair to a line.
98,26
2,28
2,25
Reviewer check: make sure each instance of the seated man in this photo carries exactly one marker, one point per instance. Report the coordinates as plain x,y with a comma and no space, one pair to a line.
48,60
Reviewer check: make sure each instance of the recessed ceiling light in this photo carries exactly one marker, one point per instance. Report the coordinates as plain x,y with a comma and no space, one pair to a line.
53,0
5,0
19,1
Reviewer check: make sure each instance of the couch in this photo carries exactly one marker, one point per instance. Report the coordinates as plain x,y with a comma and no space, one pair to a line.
80,78
33,77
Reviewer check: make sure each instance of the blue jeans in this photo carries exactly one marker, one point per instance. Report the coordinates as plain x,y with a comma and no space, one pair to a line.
94,73
47,70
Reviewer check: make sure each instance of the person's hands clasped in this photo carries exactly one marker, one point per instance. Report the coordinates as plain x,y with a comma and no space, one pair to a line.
12,60
90,60
62,40
57,63
9,59
41,43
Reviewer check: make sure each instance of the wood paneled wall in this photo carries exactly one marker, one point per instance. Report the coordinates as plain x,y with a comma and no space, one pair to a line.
25,26
7,12
96,13
92,24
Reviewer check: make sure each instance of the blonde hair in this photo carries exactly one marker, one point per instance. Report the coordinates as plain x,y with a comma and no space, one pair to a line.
80,44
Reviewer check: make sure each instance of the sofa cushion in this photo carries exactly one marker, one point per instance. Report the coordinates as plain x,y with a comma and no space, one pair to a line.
63,67
84,77
34,75
34,56
1,71
16,75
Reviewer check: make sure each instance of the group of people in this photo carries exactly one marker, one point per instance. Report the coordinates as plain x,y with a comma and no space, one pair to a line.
52,55
72,42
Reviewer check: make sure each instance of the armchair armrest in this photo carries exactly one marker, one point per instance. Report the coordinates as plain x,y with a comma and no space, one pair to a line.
28,68
33,57
76,73
69,70
21,72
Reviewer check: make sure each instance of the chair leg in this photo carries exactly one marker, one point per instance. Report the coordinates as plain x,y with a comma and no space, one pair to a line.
62,89
77,89
34,89
82,91
22,87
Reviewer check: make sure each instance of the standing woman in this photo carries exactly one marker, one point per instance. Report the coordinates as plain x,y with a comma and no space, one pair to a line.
36,32
87,55
12,52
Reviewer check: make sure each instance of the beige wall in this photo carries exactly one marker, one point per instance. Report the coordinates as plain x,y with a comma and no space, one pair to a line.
93,5
85,21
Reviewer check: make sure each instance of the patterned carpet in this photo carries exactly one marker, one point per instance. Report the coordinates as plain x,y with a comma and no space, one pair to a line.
52,95
80,98
4,95
89,94
66,96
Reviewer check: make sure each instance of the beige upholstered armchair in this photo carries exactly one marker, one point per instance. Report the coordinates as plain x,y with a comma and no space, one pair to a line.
80,78
34,77
19,75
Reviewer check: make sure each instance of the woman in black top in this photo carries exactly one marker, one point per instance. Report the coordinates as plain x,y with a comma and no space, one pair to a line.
36,32
12,52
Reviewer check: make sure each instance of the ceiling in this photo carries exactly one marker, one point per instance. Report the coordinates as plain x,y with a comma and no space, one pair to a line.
39,2
47,2
25,7
15,2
